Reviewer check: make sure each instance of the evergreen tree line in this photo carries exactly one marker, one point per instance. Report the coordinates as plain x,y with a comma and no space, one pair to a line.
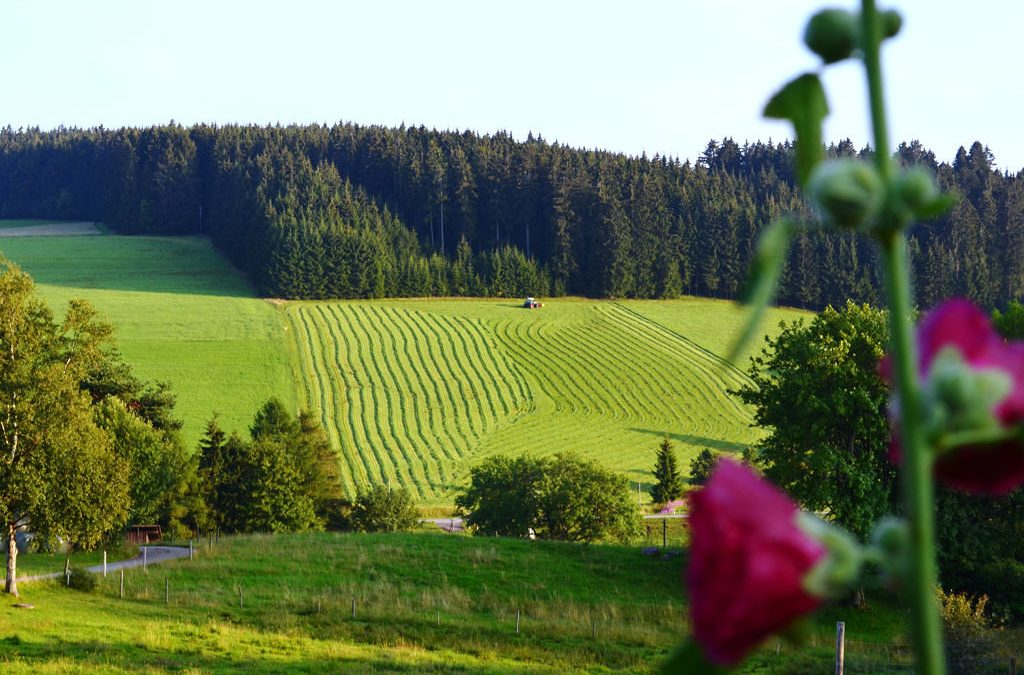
367,211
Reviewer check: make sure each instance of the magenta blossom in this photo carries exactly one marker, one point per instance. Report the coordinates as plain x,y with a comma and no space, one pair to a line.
958,348
748,563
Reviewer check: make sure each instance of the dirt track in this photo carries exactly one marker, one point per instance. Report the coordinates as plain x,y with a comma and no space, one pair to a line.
52,230
152,556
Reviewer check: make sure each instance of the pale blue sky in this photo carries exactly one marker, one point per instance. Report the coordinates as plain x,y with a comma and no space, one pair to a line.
661,77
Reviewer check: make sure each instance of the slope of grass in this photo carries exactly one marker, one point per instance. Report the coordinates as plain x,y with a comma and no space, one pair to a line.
414,391
423,603
182,314
411,392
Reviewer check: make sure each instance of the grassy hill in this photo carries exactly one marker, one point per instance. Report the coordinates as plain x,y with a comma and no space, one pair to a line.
426,602
182,314
411,391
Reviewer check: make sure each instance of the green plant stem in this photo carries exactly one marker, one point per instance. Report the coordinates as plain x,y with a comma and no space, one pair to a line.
917,460
917,464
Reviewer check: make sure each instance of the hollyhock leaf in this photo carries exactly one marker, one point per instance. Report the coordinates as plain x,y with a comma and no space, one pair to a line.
802,101
689,659
763,279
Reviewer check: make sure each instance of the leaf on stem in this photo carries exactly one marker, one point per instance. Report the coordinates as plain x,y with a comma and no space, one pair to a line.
802,101
763,278
688,659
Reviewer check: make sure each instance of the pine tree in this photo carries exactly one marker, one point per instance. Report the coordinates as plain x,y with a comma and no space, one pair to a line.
669,485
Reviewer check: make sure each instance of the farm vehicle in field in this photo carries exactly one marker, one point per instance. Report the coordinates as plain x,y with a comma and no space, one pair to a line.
531,303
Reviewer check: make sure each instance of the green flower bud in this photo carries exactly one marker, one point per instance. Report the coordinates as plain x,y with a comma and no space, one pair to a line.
832,34
890,544
839,570
916,188
891,23
848,192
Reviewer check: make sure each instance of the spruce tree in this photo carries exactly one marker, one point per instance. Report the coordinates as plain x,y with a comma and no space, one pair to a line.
669,485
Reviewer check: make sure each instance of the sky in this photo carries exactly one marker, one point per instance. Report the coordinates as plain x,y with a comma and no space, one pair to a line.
633,77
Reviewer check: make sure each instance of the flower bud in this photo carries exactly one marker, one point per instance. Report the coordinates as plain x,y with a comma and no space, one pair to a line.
849,192
916,188
890,541
891,23
839,570
832,34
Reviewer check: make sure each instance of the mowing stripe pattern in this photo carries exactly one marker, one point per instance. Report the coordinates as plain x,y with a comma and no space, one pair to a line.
414,392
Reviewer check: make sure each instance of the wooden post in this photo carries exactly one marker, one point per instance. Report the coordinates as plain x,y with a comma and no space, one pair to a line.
67,566
145,559
593,629
438,617
664,532
167,591
517,622
241,603
353,608
121,590
840,646
190,549
67,578
104,564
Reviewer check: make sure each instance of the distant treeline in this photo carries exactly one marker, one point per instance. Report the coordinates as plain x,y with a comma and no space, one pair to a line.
354,211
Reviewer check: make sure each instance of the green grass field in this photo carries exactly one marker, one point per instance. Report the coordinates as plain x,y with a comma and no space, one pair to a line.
415,391
182,315
411,392
426,602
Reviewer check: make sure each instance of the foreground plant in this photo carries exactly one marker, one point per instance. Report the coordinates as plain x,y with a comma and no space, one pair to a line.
958,404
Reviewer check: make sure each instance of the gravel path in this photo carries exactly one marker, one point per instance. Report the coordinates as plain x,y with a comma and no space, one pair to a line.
153,556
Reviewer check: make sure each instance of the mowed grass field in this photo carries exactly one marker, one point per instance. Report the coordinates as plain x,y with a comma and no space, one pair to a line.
412,392
182,314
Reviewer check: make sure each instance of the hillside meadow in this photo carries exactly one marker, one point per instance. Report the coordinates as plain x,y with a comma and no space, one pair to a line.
182,315
412,391
424,602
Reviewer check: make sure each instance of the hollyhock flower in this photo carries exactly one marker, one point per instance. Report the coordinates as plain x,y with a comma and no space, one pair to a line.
749,563
973,386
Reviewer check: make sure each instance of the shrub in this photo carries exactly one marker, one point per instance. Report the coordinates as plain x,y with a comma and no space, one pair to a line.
701,467
82,580
562,497
968,628
383,509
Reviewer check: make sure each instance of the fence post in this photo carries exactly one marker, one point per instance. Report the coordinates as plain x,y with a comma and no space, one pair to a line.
353,608
240,601
167,591
517,622
190,550
121,589
840,646
145,559
664,533
104,564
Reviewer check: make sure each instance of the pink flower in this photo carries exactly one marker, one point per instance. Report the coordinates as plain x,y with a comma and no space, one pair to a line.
995,467
748,563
